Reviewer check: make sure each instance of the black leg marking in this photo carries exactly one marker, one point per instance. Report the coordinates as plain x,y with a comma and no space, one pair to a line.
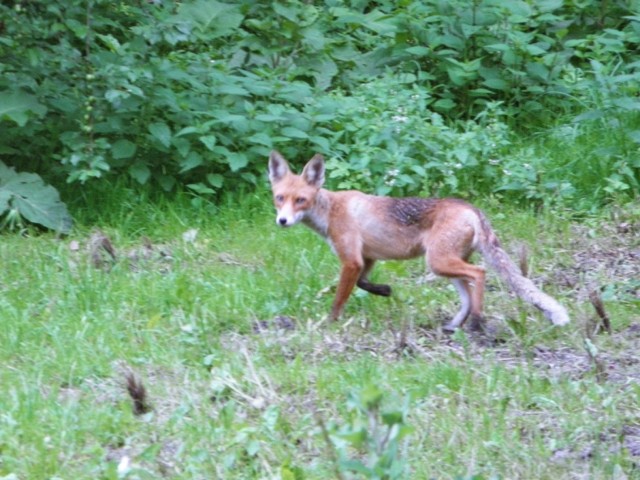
375,288
477,323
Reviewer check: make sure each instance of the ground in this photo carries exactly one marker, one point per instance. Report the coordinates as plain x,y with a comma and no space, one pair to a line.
244,378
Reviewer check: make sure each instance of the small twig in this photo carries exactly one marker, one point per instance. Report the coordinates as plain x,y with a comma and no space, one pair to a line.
598,305
267,392
404,335
384,441
138,394
98,244
523,257
598,366
404,343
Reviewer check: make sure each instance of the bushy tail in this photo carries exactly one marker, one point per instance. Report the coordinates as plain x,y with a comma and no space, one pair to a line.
490,248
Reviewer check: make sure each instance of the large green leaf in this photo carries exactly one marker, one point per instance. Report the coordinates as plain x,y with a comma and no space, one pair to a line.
33,199
18,106
237,161
214,19
5,199
193,160
140,172
123,149
161,132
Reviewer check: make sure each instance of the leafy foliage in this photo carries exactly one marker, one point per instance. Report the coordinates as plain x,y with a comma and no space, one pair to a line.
197,93
374,433
18,106
395,137
24,195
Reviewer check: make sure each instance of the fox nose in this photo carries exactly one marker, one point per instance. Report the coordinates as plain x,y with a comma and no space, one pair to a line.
282,221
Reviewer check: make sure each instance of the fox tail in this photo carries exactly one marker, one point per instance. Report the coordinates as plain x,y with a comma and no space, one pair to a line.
492,251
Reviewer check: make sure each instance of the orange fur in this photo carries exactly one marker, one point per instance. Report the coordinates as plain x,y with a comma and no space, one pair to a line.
362,229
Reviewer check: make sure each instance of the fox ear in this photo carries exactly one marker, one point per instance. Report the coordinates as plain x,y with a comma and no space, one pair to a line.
278,167
313,172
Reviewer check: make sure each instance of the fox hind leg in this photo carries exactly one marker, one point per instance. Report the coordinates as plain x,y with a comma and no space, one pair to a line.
365,284
464,291
468,280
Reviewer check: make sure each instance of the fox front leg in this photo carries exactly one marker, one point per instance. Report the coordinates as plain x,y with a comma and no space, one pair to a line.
365,284
349,274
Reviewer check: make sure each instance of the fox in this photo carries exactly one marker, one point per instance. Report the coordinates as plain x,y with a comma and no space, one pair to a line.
362,229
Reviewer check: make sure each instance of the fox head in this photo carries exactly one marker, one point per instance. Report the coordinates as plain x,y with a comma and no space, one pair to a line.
294,195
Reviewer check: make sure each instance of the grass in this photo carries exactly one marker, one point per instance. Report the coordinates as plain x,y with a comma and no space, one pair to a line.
226,333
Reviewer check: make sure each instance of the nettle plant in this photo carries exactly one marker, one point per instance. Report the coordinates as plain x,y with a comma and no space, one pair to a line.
372,441
402,95
391,142
611,93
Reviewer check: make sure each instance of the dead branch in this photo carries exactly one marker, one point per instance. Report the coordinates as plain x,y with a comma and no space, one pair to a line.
598,305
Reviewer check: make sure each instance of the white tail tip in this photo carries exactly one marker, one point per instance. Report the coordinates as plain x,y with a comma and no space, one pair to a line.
558,317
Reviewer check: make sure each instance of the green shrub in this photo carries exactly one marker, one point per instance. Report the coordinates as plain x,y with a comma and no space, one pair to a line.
197,93
388,141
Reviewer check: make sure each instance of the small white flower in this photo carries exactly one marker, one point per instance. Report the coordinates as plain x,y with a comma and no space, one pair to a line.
400,118
190,235
124,466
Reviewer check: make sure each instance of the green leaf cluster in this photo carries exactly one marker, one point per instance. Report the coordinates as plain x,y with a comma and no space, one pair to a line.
375,433
197,93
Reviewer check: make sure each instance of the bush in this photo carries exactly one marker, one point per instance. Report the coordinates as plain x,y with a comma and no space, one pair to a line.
403,96
388,141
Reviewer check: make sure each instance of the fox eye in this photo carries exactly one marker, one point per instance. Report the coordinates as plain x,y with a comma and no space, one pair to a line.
279,198
301,200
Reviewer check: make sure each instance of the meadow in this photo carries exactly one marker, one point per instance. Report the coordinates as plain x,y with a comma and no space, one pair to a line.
186,339
174,331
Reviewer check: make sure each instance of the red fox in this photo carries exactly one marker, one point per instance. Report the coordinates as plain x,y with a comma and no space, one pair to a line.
363,228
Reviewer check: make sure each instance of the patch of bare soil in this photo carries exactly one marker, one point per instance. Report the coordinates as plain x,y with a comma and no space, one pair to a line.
100,251
612,255
626,438
103,253
620,365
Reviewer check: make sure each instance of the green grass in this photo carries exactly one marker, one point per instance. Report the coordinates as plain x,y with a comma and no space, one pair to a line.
229,401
